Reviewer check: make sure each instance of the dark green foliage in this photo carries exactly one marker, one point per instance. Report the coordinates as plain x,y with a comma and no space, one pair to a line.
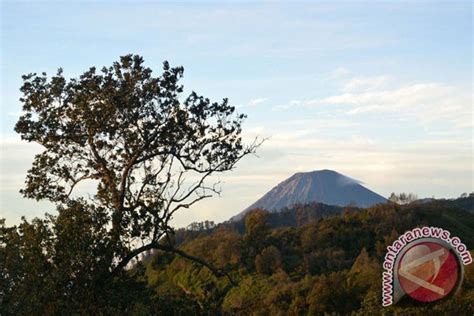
465,202
58,264
297,215
148,150
130,133
268,261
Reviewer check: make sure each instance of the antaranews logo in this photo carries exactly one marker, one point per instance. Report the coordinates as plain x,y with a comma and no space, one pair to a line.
424,263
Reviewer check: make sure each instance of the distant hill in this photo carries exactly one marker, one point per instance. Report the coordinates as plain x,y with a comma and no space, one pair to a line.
323,186
294,216
463,203
454,215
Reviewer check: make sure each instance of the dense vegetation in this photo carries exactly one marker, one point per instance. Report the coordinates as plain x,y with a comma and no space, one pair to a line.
303,260
146,148
326,264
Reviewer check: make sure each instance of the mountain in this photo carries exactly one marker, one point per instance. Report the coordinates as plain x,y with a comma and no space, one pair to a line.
322,186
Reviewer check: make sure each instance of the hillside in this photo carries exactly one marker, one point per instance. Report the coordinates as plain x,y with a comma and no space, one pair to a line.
325,264
323,186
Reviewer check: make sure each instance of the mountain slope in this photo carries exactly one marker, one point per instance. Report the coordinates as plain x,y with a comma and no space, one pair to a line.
323,186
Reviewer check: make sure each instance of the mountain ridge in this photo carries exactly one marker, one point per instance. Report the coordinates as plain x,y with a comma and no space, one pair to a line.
322,186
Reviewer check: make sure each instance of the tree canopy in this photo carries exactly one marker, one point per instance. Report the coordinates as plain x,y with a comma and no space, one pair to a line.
148,150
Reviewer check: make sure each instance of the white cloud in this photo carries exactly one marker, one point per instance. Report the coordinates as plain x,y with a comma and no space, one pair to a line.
257,101
365,83
339,72
389,99
432,105
253,102
309,103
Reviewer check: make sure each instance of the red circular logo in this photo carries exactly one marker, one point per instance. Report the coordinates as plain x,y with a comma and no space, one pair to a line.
428,271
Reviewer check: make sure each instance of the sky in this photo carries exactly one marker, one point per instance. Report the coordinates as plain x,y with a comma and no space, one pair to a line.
380,91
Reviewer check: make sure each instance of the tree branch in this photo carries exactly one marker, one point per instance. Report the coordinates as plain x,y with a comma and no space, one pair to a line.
155,245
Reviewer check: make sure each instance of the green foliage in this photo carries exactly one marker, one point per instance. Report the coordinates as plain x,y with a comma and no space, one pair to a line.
58,264
148,150
136,137
256,235
329,265
269,261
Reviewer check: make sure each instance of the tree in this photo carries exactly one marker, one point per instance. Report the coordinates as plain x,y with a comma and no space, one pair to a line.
269,261
56,265
330,294
149,151
256,235
256,224
393,197
403,198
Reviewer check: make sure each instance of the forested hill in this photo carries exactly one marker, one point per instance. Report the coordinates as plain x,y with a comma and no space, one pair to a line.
297,215
464,203
322,264
301,214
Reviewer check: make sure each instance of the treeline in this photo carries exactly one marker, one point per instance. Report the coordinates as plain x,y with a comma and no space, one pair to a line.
302,214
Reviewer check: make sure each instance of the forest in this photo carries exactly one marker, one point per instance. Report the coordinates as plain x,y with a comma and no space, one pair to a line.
304,260
324,264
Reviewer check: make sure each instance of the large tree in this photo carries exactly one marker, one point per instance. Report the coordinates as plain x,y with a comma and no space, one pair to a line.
149,150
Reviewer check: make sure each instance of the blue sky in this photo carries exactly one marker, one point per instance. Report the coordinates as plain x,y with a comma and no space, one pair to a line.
380,91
